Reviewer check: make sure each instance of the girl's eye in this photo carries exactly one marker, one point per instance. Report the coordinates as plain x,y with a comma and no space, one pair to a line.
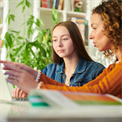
54,40
65,38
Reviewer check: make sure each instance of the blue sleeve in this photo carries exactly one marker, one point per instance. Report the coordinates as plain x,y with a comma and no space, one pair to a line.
50,70
47,69
44,70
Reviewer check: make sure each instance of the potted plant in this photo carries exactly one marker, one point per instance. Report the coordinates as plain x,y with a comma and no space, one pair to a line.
20,48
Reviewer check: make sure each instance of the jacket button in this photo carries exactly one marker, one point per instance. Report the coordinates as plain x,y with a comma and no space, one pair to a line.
73,75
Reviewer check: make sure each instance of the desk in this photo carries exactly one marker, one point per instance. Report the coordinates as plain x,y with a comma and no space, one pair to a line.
24,112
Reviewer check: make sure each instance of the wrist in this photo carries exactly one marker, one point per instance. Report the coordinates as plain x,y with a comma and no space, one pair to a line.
35,73
39,85
38,75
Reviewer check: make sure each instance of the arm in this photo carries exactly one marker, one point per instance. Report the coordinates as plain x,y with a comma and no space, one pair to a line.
30,70
109,82
46,80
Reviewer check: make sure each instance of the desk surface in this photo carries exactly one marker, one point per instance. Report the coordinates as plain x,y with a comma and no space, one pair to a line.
24,112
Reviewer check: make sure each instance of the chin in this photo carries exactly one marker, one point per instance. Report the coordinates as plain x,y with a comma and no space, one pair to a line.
100,50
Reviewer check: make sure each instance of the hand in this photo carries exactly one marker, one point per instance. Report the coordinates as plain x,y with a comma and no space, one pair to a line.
17,92
20,78
22,66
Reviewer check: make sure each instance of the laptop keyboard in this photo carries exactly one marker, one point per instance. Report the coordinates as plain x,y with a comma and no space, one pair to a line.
19,99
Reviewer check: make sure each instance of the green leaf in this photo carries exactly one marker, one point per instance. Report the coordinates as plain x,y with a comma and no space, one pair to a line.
30,31
13,31
21,3
9,18
19,37
41,22
28,4
23,9
13,86
19,50
8,39
32,52
54,16
35,44
12,17
26,52
37,22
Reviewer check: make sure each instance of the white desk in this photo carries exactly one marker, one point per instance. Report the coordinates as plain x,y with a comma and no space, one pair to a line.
13,112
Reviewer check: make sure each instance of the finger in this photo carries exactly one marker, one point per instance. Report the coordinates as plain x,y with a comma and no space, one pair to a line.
12,77
12,73
2,61
18,92
6,62
12,67
12,81
4,68
12,63
14,92
24,94
20,65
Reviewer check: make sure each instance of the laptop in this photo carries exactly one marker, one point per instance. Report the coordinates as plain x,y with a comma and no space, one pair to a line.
6,89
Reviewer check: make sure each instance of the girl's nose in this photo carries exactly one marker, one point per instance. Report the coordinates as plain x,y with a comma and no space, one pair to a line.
60,43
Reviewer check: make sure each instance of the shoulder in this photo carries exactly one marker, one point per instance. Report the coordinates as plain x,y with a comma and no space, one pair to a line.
51,69
90,66
52,66
94,64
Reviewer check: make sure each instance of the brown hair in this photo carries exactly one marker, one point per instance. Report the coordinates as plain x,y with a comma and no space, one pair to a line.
111,14
76,38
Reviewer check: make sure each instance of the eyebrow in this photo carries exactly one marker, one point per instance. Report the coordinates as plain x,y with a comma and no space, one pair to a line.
62,35
93,24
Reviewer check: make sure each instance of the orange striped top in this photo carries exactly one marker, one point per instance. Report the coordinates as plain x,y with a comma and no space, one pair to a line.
108,82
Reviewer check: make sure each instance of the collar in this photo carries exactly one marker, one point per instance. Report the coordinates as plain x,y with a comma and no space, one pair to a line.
118,61
81,66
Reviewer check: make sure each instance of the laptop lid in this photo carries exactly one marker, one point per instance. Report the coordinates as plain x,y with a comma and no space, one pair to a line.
5,88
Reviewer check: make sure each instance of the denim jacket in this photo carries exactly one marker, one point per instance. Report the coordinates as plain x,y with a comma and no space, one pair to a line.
85,71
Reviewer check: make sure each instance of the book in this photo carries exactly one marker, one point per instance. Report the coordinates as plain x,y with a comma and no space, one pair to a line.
92,98
62,99
83,27
54,3
45,3
61,3
57,4
51,4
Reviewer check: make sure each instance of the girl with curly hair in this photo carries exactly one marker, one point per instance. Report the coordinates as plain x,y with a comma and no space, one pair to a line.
106,24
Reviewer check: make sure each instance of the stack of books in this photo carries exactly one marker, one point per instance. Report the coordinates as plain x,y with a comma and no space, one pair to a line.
58,4
52,98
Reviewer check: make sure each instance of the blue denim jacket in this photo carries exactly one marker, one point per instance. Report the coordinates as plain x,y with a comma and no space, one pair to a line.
85,71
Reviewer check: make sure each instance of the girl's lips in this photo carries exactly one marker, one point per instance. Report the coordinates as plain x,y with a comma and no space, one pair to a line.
60,51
